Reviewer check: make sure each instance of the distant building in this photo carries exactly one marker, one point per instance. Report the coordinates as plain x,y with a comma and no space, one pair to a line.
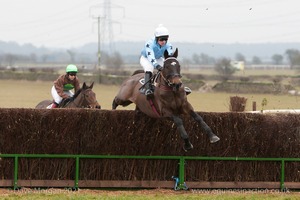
240,65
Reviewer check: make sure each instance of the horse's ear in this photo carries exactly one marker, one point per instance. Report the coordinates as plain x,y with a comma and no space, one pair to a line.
84,85
166,54
91,86
175,54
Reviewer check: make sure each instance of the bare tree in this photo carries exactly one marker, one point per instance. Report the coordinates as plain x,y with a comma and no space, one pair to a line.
33,57
44,58
196,58
186,63
240,57
256,60
10,59
224,68
203,59
114,61
277,59
293,57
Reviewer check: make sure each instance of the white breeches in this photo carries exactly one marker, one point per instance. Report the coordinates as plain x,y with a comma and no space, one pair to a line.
146,64
58,98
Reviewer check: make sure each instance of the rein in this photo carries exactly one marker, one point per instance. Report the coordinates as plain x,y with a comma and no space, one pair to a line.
167,87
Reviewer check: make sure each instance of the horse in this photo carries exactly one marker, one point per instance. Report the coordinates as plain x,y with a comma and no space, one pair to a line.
170,98
83,98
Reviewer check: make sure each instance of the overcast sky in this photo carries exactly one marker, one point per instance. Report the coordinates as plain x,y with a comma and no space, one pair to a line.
72,23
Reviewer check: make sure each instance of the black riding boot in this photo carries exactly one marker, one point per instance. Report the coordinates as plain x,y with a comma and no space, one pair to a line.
148,88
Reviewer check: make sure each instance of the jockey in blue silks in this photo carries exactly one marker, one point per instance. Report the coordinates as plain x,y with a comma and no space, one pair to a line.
152,55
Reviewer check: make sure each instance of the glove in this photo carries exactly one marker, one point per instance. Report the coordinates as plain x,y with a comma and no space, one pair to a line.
159,68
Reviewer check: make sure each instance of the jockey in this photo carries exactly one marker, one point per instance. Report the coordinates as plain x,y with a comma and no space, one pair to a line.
63,85
152,55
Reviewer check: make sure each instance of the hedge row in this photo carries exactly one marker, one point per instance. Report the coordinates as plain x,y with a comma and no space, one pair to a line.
120,132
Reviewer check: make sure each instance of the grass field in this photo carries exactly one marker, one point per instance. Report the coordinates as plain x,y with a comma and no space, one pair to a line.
251,72
27,94
150,194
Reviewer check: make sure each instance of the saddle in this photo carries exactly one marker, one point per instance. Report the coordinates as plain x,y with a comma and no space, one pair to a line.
151,80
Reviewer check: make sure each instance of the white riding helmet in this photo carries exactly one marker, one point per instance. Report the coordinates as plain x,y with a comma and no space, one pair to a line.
161,31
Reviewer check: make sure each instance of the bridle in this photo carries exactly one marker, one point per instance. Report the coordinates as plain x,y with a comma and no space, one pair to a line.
86,105
169,78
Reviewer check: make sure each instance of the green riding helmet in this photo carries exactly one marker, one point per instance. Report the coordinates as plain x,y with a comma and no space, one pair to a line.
71,68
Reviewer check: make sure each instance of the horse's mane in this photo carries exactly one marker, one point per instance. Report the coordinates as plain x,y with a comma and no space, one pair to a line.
77,93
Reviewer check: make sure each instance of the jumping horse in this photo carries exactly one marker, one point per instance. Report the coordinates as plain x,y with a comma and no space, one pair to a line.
170,98
83,98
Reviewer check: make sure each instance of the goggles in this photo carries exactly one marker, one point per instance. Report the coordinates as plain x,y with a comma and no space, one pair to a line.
163,38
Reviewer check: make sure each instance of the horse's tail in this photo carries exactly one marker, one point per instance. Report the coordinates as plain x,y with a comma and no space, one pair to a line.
137,72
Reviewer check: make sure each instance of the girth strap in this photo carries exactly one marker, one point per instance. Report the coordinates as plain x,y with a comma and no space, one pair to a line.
153,107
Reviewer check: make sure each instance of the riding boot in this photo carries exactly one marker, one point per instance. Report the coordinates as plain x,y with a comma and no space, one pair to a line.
148,88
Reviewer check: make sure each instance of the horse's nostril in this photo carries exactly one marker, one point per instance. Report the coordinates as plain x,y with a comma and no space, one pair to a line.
98,107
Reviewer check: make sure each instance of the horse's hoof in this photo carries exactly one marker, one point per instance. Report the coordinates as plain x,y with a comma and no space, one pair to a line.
214,139
187,148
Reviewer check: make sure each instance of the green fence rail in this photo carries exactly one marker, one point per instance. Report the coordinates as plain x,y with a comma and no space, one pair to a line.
181,160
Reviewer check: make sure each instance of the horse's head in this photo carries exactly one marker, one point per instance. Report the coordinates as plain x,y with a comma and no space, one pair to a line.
171,70
88,97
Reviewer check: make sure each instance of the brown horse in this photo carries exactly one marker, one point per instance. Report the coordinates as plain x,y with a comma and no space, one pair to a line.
169,100
84,98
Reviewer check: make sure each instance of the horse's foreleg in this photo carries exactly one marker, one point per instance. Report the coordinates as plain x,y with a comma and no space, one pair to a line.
212,137
114,104
117,101
187,144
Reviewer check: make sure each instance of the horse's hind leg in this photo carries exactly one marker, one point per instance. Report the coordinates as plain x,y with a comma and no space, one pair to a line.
212,137
187,144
